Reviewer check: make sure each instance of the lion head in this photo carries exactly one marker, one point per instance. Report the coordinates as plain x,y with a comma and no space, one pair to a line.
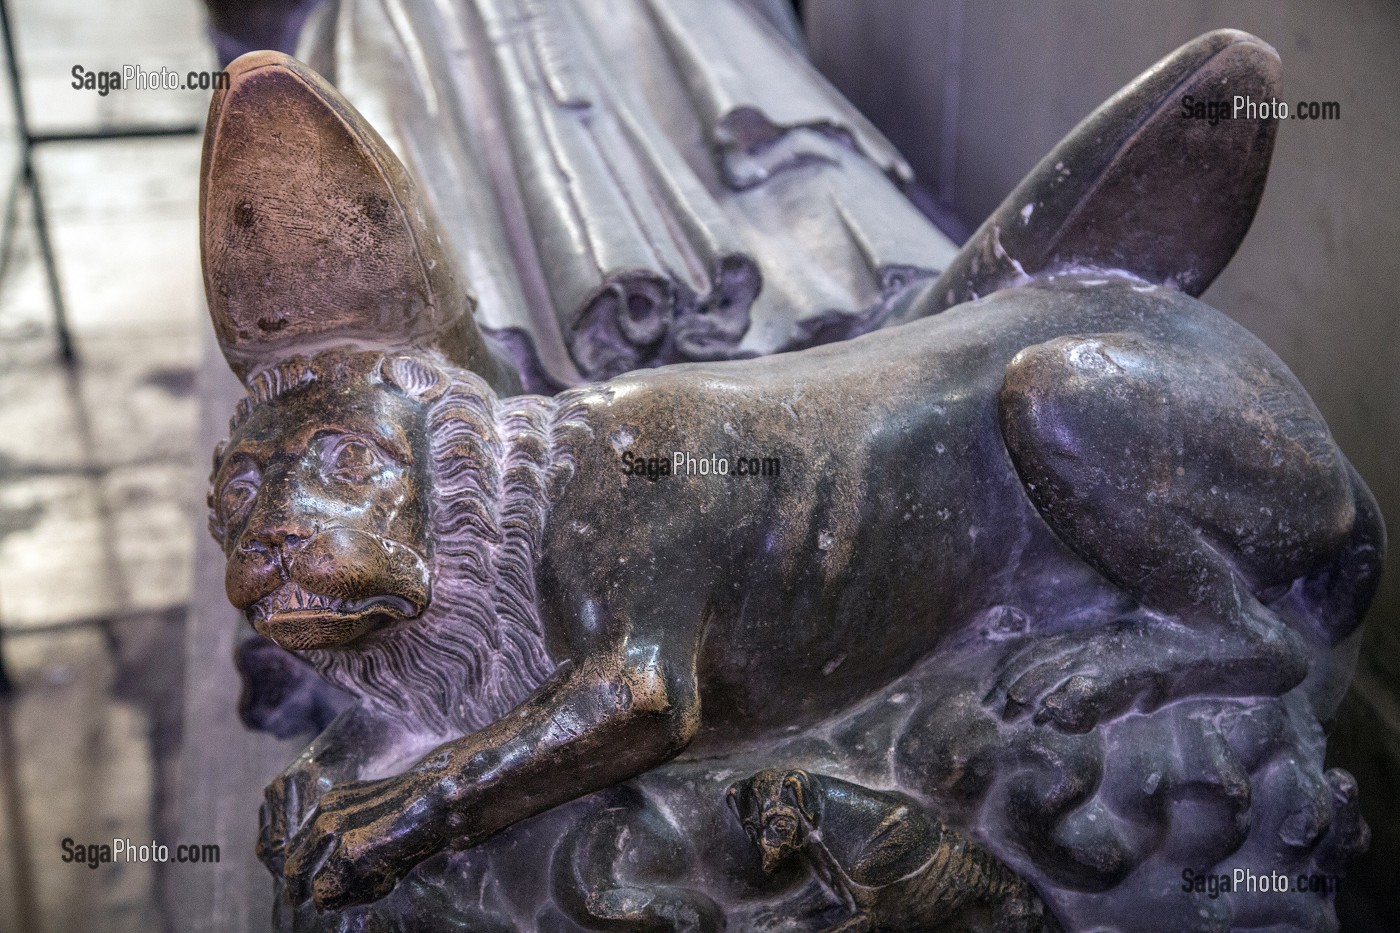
381,515
379,505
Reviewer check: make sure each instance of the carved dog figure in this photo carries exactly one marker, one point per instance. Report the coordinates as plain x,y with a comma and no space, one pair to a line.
525,623
888,860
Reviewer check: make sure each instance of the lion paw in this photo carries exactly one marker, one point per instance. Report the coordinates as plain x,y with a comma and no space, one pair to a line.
1076,680
287,803
364,837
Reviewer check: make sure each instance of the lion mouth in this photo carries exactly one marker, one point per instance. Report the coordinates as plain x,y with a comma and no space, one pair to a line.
297,619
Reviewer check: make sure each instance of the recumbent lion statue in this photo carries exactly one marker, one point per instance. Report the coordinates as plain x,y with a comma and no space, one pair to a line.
524,623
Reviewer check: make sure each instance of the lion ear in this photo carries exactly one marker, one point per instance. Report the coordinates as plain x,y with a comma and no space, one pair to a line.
313,233
797,792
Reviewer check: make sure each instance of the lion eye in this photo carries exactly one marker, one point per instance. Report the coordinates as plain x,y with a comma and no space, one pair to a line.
351,460
238,493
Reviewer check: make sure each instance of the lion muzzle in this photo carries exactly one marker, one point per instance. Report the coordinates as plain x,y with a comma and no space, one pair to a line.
330,590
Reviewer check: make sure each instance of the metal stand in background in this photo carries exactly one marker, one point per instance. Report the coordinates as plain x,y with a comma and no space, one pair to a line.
27,179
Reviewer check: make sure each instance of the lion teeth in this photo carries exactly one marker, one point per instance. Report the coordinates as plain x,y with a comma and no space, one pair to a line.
291,596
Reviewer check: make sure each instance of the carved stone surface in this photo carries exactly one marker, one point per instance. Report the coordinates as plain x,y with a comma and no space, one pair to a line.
1038,607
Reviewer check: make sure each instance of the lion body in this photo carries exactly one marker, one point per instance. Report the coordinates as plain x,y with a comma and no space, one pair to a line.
899,519
1118,491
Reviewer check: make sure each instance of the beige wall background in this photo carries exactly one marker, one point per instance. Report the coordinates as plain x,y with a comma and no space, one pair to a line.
975,93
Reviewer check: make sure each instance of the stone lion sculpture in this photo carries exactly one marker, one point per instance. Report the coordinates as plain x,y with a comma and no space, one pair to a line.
1100,498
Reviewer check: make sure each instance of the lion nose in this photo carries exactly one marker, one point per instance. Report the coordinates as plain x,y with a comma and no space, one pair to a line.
280,539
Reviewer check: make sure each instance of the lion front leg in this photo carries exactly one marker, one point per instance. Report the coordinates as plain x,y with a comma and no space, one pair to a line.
353,741
589,726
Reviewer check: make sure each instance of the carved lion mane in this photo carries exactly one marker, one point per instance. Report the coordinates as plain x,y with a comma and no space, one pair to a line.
496,467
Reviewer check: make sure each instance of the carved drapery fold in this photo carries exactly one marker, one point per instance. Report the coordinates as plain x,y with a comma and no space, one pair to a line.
625,188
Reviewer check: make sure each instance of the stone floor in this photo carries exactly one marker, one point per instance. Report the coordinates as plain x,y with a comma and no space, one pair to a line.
98,472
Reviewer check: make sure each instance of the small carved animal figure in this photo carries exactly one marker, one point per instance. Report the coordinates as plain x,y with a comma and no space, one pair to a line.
884,856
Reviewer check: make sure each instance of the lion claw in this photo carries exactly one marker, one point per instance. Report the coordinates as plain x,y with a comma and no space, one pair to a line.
1070,682
364,837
